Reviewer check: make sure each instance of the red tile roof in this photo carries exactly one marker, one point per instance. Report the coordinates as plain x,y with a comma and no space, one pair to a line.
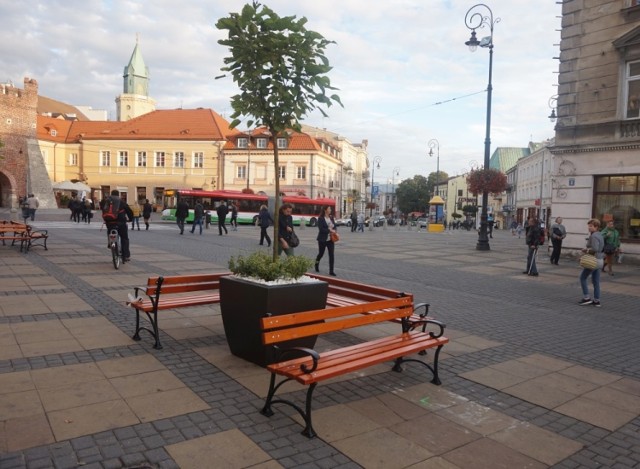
178,124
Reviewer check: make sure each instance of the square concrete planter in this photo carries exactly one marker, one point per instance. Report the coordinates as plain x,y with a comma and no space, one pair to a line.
243,304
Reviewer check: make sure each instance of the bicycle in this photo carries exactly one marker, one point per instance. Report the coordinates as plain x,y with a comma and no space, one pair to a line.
114,245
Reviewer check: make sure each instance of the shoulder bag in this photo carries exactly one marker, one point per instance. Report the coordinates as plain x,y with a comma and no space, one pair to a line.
293,240
334,237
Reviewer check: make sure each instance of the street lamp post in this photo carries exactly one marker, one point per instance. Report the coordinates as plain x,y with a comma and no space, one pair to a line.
376,161
479,16
396,172
433,143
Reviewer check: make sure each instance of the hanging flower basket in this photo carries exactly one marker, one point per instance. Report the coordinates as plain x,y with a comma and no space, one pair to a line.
247,190
486,180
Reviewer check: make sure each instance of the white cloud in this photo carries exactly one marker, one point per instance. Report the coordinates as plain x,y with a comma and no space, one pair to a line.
393,62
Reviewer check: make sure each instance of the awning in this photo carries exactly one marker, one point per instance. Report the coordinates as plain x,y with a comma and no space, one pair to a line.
71,186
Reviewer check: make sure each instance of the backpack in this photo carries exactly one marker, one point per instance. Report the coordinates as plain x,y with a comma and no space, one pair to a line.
111,210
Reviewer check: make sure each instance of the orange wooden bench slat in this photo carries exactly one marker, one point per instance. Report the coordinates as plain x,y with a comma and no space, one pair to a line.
352,360
147,305
286,320
333,326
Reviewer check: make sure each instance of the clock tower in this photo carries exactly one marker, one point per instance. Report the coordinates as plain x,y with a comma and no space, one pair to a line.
135,100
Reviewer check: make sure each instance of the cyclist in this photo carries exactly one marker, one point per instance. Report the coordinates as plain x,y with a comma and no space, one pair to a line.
125,216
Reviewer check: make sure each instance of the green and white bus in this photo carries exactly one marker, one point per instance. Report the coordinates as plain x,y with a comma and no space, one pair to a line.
248,205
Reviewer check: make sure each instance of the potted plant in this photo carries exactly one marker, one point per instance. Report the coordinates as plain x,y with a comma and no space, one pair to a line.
262,286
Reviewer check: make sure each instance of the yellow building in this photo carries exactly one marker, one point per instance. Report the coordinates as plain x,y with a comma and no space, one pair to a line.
166,149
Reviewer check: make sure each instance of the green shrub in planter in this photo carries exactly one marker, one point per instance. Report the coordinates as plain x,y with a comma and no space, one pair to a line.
262,266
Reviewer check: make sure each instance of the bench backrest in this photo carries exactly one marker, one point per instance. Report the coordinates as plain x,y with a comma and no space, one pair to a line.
358,290
14,227
183,283
295,325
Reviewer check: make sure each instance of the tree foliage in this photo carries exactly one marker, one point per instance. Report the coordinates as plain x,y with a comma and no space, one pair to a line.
432,180
413,194
280,68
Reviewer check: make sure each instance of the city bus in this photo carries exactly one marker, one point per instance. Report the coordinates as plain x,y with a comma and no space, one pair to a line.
248,205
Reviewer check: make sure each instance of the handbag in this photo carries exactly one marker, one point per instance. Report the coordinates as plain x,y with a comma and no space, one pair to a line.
587,261
334,237
293,240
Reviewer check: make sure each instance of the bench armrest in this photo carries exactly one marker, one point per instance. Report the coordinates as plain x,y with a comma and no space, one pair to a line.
138,290
422,305
425,322
41,232
315,356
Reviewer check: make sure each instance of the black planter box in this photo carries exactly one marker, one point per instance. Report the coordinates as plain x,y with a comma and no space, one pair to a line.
243,304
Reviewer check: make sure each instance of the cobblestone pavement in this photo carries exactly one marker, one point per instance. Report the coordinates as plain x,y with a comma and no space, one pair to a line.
530,379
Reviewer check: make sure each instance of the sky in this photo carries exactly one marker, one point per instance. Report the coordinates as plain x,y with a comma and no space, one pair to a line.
402,69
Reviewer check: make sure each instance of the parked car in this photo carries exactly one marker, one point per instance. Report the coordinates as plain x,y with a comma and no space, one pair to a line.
346,221
378,220
421,222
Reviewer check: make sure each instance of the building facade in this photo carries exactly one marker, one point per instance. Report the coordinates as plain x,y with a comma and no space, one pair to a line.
596,171
533,191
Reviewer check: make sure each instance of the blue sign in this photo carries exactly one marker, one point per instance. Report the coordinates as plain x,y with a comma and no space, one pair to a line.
374,192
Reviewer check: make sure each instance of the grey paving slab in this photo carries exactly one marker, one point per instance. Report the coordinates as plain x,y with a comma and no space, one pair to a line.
518,327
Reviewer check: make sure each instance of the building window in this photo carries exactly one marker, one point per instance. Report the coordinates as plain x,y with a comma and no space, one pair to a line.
141,159
241,172
301,172
632,90
617,198
159,159
105,158
54,132
261,143
123,158
282,172
198,159
243,142
73,159
178,159
281,142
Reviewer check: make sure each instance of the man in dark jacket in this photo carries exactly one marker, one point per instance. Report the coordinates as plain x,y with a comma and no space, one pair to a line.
125,216
533,238
222,211
182,212
198,213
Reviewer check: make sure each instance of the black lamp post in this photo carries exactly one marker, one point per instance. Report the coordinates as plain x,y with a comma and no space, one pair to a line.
433,143
376,161
479,16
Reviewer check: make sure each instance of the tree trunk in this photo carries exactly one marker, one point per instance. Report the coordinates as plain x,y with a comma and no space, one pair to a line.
276,209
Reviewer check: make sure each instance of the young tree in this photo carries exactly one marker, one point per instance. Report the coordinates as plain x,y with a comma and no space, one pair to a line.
413,194
280,68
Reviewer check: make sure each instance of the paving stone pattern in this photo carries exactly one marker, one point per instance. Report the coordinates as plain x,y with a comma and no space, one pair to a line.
530,379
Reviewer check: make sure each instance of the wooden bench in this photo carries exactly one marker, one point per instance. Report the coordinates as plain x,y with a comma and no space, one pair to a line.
28,237
316,367
169,292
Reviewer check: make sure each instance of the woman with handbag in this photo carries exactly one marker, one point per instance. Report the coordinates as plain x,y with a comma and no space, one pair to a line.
595,246
327,237
611,245
287,239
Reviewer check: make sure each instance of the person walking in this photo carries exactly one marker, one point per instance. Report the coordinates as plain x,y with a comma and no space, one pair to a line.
198,213
146,213
326,226
514,227
595,246
285,228
361,222
32,204
533,238
264,221
234,217
611,238
354,220
136,210
490,223
121,224
222,211
182,212
558,233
